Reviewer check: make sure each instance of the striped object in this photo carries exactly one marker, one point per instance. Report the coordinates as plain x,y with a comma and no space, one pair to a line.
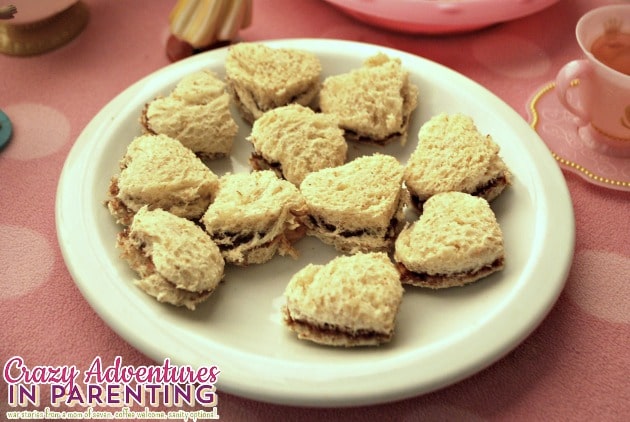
204,22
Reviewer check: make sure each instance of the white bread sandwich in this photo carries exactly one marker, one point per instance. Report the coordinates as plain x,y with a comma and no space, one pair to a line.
351,301
196,113
293,141
254,216
176,260
374,103
357,206
452,155
457,240
160,172
261,78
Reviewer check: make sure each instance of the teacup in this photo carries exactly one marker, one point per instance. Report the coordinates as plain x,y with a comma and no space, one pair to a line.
29,11
597,94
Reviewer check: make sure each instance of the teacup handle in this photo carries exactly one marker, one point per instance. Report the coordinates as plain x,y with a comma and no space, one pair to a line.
576,70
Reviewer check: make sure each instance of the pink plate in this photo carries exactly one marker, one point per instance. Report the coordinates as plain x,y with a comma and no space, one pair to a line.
559,129
438,16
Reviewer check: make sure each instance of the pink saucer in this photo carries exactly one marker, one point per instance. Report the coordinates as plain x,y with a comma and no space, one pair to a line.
559,130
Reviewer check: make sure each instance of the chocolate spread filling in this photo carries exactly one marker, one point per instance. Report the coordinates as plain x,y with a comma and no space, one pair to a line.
410,277
481,190
354,136
230,240
258,162
322,224
329,330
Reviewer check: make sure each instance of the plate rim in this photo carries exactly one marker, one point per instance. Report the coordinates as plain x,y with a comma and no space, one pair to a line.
237,383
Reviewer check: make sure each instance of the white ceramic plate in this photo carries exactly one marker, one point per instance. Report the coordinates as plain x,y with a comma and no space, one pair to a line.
438,16
442,336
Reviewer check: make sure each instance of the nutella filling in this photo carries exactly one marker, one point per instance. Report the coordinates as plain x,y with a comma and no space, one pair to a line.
329,330
230,240
258,162
320,223
410,277
481,190
484,189
351,135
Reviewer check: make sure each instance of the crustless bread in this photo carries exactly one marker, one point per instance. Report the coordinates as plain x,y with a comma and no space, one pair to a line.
457,240
176,260
351,301
196,113
160,172
294,141
261,78
452,155
357,206
373,103
255,216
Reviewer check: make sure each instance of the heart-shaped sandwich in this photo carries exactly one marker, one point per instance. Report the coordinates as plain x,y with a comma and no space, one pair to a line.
452,155
457,240
176,261
158,171
196,113
261,78
294,141
374,102
350,301
357,206
255,216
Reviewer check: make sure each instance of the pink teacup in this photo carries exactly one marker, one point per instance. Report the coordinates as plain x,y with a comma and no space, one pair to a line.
597,94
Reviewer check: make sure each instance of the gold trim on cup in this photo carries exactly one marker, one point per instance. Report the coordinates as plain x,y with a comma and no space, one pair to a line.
608,135
27,39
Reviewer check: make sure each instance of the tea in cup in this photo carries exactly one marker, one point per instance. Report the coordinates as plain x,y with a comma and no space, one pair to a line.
596,89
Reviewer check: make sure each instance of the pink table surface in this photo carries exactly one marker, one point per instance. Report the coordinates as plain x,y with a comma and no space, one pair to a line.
575,366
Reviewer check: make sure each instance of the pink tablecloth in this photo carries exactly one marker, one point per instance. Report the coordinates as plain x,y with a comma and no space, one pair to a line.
575,366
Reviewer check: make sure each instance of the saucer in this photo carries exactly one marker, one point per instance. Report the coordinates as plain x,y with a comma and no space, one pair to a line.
559,129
